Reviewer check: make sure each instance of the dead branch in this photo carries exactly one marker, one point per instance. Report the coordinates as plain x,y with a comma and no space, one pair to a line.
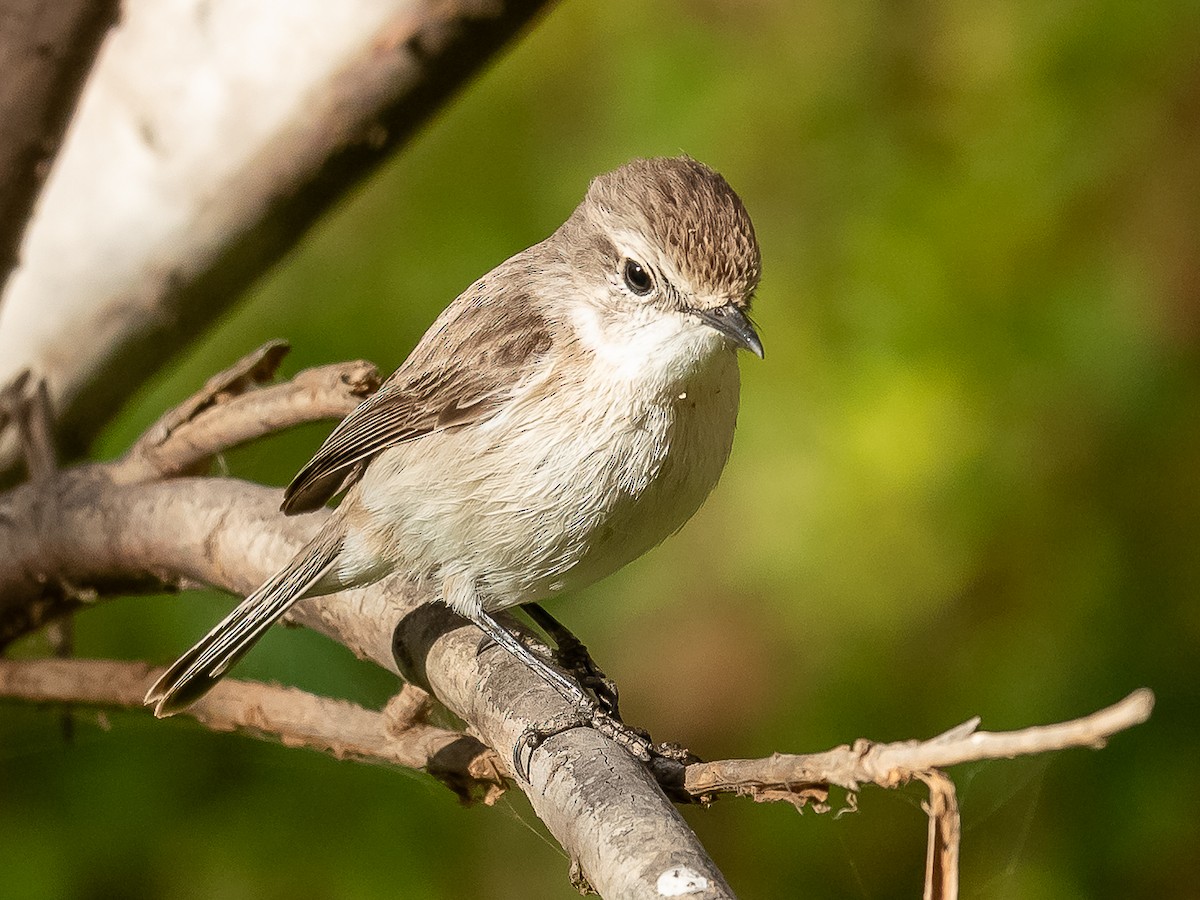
230,409
599,802
397,735
805,778
945,835
890,765
233,409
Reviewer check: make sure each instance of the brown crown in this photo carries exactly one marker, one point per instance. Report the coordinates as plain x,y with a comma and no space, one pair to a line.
693,213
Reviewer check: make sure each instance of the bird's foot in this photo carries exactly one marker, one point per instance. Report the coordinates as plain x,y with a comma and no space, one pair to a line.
533,737
636,742
572,655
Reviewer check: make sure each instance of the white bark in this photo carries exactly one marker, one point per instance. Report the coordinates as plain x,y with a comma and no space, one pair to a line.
209,136
185,96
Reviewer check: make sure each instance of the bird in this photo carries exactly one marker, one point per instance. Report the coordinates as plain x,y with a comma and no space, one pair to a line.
566,413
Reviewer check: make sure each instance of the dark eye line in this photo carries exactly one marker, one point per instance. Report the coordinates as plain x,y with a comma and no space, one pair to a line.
637,278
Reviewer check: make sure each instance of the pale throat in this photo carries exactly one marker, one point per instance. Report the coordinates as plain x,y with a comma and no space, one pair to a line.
647,345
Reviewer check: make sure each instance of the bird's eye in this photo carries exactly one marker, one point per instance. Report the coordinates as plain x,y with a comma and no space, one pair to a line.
637,279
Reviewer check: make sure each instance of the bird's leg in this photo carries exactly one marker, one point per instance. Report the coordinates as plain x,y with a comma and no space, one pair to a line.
501,636
591,715
534,643
573,656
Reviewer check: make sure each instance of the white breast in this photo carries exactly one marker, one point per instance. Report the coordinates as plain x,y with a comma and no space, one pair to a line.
569,483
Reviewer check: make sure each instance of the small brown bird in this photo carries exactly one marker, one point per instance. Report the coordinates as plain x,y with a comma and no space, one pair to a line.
567,412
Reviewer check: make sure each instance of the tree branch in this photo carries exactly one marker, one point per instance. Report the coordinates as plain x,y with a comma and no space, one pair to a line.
890,765
805,778
233,409
398,735
945,835
230,409
46,51
167,202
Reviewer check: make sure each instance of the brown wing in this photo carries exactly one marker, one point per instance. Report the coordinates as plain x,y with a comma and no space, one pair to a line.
463,370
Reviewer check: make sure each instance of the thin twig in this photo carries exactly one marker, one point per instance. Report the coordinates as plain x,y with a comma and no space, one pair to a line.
945,830
890,765
396,736
256,368
233,409
804,779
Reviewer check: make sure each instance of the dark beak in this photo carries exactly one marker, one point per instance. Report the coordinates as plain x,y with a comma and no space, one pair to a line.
733,323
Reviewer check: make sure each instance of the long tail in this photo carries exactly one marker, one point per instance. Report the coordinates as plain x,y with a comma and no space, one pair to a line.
195,673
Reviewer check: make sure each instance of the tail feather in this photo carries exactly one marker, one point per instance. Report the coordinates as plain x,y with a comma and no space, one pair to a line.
192,675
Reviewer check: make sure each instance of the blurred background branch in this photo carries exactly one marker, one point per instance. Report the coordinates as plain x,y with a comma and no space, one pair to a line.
46,53
175,192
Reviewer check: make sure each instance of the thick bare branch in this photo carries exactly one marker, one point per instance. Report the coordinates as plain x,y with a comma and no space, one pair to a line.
623,834
397,735
46,51
168,200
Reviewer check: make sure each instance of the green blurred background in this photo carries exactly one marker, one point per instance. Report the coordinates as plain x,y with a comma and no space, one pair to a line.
965,481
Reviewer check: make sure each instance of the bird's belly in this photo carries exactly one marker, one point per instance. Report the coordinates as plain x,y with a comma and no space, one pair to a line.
554,500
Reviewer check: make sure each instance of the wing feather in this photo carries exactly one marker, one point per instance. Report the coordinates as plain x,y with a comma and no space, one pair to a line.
465,368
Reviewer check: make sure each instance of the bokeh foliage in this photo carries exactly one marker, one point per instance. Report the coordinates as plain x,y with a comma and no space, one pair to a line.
967,476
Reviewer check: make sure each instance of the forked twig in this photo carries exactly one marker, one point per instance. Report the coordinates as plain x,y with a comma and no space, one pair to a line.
239,405
805,778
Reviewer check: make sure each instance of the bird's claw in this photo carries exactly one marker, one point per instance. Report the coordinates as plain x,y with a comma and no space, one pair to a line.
532,738
573,656
635,741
